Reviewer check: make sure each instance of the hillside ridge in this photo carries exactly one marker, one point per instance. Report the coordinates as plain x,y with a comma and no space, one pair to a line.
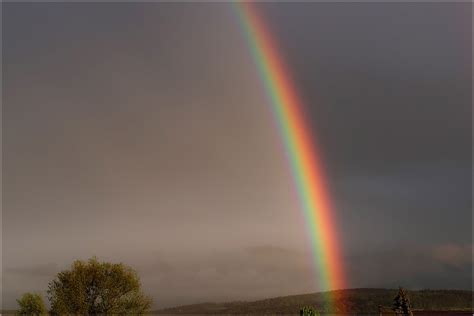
356,300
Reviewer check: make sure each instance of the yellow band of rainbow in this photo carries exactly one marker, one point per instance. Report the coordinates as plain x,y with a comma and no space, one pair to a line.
300,146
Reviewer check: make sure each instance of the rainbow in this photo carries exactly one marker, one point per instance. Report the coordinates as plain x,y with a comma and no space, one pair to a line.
300,146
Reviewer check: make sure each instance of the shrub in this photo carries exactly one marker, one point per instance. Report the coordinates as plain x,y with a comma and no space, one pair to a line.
31,304
95,287
308,311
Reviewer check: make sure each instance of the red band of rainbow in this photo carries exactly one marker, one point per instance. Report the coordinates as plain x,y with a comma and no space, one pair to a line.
300,147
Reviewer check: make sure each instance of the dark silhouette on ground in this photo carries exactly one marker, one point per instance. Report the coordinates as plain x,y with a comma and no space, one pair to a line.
401,303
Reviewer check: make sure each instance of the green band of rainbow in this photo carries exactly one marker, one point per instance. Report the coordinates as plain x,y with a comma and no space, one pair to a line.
300,147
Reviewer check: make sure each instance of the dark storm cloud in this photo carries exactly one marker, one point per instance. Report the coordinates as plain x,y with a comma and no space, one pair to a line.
413,266
140,133
387,87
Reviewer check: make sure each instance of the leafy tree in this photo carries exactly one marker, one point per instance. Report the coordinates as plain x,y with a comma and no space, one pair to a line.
31,304
401,303
95,287
308,311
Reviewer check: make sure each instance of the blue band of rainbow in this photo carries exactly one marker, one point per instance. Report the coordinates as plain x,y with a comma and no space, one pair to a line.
300,145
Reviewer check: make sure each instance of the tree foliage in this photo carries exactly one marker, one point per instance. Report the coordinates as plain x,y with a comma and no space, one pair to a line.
93,287
401,303
308,311
31,304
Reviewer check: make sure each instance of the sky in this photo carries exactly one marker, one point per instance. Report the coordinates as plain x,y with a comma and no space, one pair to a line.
141,133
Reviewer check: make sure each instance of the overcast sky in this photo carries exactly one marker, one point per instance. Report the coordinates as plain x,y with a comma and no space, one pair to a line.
141,133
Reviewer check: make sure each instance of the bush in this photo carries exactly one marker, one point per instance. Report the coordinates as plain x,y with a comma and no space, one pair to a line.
31,304
308,311
93,287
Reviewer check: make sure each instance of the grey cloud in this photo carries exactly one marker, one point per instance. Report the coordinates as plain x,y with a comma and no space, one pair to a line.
453,254
141,133
413,265
40,270
226,275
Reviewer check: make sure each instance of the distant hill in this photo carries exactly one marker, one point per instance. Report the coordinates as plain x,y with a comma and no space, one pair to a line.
361,301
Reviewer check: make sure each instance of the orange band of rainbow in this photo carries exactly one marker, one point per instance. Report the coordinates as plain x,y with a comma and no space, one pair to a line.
300,147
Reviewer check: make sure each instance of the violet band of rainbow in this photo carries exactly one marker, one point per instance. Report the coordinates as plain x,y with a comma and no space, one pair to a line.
300,145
